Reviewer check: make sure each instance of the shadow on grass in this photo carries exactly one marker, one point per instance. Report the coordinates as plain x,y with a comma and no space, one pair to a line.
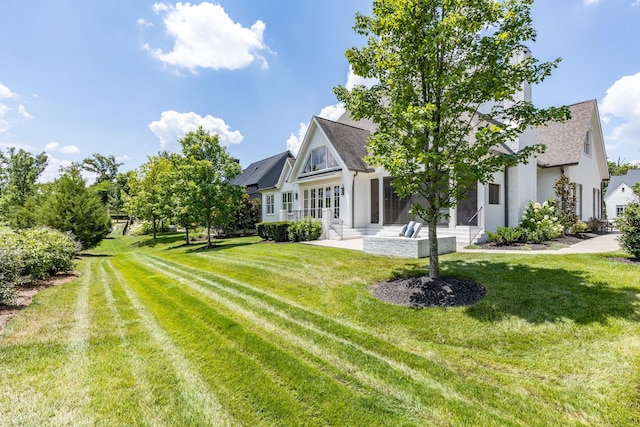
161,239
216,245
538,295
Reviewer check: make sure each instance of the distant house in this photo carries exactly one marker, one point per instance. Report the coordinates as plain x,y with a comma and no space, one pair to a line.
330,181
262,174
620,194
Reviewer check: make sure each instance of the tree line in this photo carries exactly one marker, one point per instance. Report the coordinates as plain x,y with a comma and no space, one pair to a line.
189,189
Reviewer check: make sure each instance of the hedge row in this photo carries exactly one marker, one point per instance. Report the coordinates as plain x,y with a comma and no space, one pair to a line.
32,254
290,231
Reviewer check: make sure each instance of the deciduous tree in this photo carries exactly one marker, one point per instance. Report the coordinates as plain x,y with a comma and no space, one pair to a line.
211,168
448,74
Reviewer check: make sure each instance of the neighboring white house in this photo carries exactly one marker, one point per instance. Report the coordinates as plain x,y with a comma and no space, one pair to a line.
329,180
620,194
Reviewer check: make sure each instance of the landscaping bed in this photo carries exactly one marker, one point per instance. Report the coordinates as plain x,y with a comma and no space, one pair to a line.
562,241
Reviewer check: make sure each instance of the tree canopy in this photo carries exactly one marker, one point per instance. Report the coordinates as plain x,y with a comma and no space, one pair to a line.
449,77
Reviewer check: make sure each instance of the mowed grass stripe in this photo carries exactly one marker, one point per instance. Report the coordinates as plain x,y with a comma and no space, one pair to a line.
425,368
384,374
316,398
483,385
121,388
199,402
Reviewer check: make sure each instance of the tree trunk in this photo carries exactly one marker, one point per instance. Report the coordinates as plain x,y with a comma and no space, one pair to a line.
434,262
186,240
208,233
154,227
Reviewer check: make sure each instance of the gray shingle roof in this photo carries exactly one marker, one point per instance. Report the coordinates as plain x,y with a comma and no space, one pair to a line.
632,177
349,141
263,173
564,140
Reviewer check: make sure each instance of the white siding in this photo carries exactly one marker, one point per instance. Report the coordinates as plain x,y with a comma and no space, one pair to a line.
623,195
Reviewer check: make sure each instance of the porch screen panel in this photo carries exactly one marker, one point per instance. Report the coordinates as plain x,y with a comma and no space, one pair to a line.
375,201
467,208
396,210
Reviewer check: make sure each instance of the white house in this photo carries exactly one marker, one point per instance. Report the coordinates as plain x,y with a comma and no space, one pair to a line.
329,180
575,147
620,194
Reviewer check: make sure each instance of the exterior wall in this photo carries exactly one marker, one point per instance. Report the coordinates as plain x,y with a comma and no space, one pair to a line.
586,174
547,178
493,215
623,195
522,181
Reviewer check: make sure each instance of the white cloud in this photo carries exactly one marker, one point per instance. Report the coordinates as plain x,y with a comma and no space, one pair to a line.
295,140
52,171
353,80
10,112
65,149
206,37
144,23
24,113
172,126
5,92
25,147
621,108
330,112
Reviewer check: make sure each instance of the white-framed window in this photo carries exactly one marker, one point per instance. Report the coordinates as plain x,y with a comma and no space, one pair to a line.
588,139
287,201
270,202
494,194
320,159
619,210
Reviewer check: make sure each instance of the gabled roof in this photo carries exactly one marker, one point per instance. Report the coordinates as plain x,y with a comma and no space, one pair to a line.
632,177
263,173
348,140
565,140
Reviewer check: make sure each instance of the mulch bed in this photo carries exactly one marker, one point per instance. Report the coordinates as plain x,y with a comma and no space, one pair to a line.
563,240
24,295
422,291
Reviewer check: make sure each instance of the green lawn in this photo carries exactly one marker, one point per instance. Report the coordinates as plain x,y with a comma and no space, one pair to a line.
154,333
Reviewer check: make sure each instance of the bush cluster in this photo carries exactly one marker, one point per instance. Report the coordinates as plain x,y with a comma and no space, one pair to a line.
305,230
33,254
629,225
276,231
290,231
539,223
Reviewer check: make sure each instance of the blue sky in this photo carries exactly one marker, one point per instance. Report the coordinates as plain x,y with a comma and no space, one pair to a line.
129,78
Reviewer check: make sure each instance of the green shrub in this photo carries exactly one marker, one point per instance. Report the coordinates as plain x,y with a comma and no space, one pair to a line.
629,225
579,227
33,254
540,222
305,230
594,224
11,265
506,235
262,230
276,231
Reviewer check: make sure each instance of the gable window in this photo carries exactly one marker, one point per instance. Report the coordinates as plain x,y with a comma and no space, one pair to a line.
494,194
320,159
587,143
270,203
287,201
